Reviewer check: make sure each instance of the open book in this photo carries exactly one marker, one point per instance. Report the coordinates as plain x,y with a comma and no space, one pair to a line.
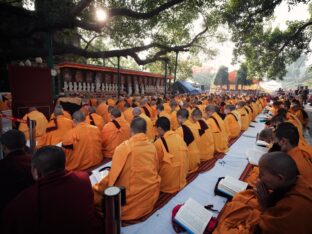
97,176
193,217
231,186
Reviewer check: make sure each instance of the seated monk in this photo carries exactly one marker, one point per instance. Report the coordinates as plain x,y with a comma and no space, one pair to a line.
150,133
135,166
298,111
128,112
41,123
245,118
189,132
59,201
15,174
232,122
114,133
204,140
94,119
173,157
56,128
216,124
287,136
82,145
161,112
173,115
102,110
280,203
146,109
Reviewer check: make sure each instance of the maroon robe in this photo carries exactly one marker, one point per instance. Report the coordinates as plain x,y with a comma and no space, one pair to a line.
59,203
15,176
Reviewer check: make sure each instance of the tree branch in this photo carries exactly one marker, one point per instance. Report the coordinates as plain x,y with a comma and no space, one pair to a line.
79,8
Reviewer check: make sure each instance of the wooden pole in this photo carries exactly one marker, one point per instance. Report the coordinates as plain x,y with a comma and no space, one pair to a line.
176,67
118,74
166,68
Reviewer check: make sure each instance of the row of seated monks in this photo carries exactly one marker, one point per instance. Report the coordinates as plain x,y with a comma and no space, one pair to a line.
154,144
279,198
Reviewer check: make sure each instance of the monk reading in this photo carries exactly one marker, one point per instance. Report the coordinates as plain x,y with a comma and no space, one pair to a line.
114,133
59,201
216,124
245,118
287,136
41,123
82,144
205,141
15,174
173,157
280,203
135,166
56,128
188,130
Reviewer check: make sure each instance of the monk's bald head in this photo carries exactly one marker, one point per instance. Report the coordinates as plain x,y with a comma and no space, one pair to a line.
211,108
183,113
47,160
287,136
138,125
241,104
197,114
278,170
79,117
266,135
58,110
136,111
115,112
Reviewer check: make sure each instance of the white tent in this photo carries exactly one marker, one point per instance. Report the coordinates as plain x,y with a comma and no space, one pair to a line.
271,85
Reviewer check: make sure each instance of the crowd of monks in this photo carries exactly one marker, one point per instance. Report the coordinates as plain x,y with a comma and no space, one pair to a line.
153,142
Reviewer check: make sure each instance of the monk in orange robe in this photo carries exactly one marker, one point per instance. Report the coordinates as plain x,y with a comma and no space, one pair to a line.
173,157
94,119
146,109
161,112
82,145
135,166
128,112
205,141
150,132
114,133
232,122
173,115
56,128
217,126
275,206
102,110
287,136
65,114
41,123
188,130
245,119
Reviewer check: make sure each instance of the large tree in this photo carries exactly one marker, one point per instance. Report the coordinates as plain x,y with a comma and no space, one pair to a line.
153,27
266,50
222,77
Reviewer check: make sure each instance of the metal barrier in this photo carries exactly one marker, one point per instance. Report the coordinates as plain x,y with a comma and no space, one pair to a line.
31,128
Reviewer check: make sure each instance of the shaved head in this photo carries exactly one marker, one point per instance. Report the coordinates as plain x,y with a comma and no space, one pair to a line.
79,116
115,112
48,159
266,135
58,110
183,113
229,107
138,125
211,108
279,163
136,111
197,113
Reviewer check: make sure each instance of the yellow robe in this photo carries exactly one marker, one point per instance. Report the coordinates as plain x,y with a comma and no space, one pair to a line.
128,114
102,110
56,130
173,161
244,118
190,140
232,125
113,134
173,120
135,166
41,124
83,147
220,136
97,120
150,132
205,141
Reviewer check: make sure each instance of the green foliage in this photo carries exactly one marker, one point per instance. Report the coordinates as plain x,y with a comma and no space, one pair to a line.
222,76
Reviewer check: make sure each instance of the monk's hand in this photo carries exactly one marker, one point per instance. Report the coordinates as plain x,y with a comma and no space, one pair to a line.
262,194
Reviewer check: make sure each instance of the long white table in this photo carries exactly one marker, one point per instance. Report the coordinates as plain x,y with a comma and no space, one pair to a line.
202,188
